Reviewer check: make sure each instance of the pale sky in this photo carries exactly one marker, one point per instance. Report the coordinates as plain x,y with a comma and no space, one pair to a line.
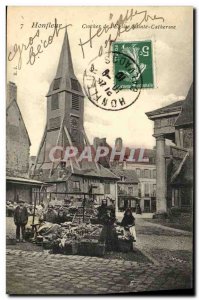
173,56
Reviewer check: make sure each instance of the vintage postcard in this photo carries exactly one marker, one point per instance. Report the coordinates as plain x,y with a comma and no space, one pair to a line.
99,150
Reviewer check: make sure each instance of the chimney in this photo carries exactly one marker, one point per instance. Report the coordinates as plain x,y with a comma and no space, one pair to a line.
103,141
11,92
118,144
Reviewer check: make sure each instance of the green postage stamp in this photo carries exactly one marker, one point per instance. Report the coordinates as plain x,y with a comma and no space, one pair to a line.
139,59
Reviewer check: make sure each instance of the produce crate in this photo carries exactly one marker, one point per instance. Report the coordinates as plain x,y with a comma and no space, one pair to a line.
84,247
47,245
39,240
94,220
125,245
56,248
100,249
71,248
91,248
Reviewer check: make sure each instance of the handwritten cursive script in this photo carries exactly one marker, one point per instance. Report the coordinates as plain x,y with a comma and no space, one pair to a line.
120,26
32,49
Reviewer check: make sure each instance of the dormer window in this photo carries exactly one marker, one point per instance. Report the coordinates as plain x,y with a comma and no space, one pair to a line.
74,85
56,84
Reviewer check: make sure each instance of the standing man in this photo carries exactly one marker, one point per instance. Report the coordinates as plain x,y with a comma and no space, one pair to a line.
20,220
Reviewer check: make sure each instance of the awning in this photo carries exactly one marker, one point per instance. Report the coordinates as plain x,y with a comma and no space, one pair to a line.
24,181
128,197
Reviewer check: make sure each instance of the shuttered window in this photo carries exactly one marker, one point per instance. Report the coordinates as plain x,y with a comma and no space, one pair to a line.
146,173
75,102
56,83
74,85
55,122
54,101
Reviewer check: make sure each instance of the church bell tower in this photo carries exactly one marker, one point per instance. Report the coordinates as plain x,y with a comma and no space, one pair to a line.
65,111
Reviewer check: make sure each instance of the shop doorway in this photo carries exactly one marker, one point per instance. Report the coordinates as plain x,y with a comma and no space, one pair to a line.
147,207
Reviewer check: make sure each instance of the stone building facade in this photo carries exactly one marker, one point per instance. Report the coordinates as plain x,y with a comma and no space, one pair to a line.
18,183
146,173
174,172
127,189
17,138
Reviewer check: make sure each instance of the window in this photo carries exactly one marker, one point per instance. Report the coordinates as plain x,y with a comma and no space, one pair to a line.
75,102
142,174
130,190
181,137
121,203
54,123
138,172
107,188
54,102
76,186
154,173
146,189
74,85
146,173
154,190
122,178
56,83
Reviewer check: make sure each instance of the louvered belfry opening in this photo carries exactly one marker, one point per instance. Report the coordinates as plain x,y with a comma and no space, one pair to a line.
75,102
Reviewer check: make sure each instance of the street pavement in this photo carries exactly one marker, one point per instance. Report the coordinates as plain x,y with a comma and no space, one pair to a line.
169,267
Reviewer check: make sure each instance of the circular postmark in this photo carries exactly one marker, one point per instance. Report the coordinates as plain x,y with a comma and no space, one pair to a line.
113,81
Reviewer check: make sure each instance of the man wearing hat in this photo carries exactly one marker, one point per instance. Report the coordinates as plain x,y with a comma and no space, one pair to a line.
20,219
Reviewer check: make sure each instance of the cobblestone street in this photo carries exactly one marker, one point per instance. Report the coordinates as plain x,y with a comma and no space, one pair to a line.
169,252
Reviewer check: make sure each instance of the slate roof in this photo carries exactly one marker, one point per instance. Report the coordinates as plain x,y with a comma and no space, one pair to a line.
185,175
130,176
14,103
90,169
65,71
186,116
87,169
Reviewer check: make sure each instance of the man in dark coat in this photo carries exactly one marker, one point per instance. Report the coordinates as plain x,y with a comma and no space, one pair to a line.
20,220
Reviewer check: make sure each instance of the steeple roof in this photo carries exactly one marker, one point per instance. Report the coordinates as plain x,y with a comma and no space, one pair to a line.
65,61
65,72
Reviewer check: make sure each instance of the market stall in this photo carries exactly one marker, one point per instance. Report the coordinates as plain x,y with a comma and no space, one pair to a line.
79,227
